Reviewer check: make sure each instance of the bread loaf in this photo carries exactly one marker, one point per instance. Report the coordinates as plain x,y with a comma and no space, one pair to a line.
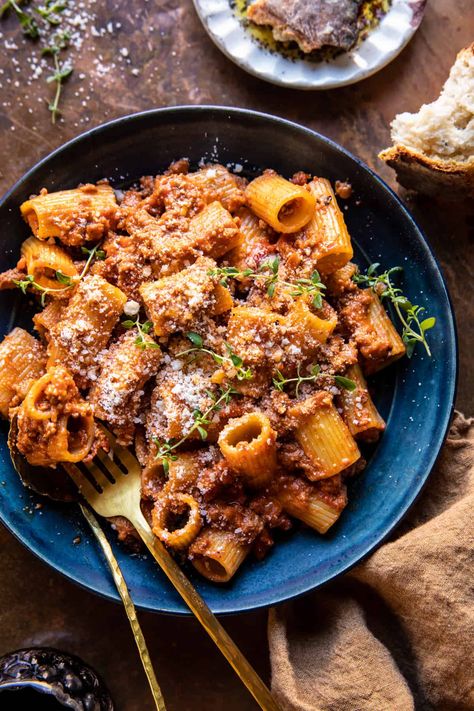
433,150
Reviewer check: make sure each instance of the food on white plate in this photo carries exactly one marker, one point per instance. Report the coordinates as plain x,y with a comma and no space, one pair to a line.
433,150
312,24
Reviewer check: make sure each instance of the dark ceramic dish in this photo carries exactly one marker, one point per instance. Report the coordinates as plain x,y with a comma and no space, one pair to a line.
415,396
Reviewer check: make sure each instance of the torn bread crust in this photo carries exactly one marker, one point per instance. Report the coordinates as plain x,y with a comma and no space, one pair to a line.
434,148
312,24
449,179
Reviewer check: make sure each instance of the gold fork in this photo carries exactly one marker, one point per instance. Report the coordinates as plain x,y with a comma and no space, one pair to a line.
118,493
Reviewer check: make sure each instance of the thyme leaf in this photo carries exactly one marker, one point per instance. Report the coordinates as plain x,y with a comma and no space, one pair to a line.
51,10
345,383
280,382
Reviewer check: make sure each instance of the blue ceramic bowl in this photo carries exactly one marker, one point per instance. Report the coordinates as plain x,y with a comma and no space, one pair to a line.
415,396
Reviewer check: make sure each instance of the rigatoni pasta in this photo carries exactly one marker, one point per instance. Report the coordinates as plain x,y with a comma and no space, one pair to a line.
286,207
85,327
326,441
358,410
217,555
216,326
327,232
248,444
73,216
22,362
44,262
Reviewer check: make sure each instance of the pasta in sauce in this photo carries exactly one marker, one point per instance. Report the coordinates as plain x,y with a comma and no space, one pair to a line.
213,325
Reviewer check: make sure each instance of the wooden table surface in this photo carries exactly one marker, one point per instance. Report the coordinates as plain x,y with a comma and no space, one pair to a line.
157,55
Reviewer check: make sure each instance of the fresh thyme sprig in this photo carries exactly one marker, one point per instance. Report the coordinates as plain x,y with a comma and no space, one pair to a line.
143,330
49,17
232,358
61,70
68,281
409,314
51,10
280,382
166,450
27,22
268,272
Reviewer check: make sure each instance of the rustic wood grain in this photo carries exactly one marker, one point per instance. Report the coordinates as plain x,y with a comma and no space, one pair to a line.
177,64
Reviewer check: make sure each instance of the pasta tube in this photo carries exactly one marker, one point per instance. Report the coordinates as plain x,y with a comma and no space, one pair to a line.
306,323
326,440
310,507
165,508
283,205
213,231
183,471
217,183
22,361
44,260
54,423
327,232
255,244
386,333
358,410
248,444
117,392
48,317
217,555
85,327
174,302
71,215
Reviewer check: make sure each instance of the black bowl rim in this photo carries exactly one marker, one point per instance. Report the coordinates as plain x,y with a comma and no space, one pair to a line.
236,112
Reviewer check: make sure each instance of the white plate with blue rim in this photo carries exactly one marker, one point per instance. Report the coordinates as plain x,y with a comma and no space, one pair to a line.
253,49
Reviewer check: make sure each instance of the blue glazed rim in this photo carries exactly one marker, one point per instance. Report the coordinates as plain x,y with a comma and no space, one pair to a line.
452,377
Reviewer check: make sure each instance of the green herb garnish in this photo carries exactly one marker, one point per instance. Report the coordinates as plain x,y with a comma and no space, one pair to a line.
268,272
414,329
345,383
231,358
166,450
143,330
51,10
280,382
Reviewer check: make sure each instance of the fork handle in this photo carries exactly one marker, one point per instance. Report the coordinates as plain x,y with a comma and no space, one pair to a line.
208,620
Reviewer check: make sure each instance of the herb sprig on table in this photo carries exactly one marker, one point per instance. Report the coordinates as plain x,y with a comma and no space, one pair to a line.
62,70
166,451
68,281
28,23
268,273
414,329
42,23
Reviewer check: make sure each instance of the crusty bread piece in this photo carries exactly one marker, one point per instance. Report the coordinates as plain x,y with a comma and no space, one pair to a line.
433,150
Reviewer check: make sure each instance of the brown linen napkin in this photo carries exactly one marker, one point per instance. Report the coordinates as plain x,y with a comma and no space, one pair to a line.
397,632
